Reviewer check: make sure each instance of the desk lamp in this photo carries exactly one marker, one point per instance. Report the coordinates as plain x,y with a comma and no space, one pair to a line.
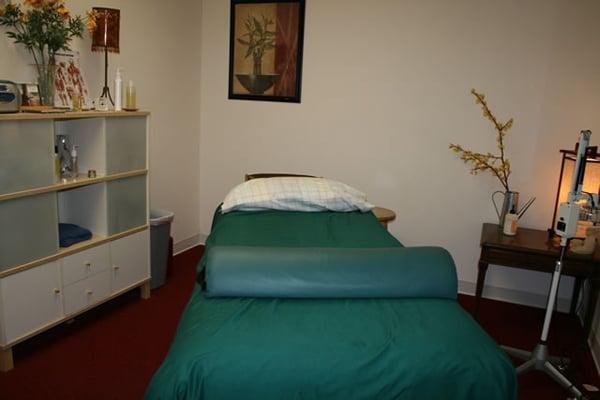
106,38
591,177
578,205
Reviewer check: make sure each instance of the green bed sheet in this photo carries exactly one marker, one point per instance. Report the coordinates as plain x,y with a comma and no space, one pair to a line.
249,348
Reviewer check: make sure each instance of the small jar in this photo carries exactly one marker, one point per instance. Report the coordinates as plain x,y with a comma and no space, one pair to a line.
510,224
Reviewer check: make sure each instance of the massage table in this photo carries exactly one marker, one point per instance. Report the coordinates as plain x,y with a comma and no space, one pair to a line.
260,326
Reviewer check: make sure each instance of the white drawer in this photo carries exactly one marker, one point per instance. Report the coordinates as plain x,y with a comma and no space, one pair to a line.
87,292
85,264
130,260
29,300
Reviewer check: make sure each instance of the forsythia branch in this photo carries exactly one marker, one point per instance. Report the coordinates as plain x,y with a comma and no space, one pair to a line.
498,165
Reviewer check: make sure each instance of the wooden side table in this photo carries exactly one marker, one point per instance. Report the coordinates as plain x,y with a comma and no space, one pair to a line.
531,249
384,215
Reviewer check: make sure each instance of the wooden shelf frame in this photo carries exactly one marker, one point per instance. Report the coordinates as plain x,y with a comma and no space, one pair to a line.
6,356
71,183
70,115
76,248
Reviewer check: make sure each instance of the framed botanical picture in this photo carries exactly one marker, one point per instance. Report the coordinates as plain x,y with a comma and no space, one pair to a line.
265,50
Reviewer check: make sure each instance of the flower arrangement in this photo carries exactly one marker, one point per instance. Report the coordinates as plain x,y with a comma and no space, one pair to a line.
44,27
498,165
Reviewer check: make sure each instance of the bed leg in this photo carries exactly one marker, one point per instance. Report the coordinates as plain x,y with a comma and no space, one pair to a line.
6,360
145,291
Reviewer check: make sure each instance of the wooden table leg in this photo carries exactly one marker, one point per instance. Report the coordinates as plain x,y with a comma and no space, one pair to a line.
590,308
481,271
575,295
6,360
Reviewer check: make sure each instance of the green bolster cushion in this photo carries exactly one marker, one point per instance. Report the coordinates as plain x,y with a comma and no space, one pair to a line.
301,272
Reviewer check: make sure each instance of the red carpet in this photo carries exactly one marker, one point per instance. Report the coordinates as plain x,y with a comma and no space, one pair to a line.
111,352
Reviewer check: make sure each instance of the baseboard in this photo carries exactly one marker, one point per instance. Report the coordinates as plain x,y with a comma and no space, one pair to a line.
188,243
513,296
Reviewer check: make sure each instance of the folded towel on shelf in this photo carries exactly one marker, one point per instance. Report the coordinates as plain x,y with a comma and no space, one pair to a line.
69,234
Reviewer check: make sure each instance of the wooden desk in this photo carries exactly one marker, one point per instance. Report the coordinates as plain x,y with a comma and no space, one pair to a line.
384,215
531,249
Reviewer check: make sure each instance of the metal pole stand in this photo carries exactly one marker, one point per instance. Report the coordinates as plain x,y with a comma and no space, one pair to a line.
539,359
106,89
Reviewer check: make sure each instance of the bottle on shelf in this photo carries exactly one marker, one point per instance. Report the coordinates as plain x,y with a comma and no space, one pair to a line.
56,159
74,162
130,97
118,90
64,154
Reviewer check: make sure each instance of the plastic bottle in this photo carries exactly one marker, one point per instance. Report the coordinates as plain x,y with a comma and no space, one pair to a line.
130,97
118,91
74,162
510,223
56,165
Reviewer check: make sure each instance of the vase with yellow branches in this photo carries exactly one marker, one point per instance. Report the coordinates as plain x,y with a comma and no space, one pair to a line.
496,164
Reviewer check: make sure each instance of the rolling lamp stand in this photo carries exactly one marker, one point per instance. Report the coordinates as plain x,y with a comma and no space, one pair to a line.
539,359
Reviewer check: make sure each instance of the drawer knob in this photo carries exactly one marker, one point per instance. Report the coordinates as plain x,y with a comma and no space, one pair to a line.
89,292
56,291
88,264
116,267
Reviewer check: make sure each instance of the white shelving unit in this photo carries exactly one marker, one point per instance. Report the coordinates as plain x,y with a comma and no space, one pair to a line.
42,284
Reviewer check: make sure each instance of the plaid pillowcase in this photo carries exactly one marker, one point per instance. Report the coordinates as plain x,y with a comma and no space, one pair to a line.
295,194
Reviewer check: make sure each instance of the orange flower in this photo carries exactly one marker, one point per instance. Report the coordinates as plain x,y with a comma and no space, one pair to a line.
63,11
23,18
35,3
2,11
91,21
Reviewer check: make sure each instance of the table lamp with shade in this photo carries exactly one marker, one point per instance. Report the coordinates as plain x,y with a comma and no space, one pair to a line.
106,39
591,179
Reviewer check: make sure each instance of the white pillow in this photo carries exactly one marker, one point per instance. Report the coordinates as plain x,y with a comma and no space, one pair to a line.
295,194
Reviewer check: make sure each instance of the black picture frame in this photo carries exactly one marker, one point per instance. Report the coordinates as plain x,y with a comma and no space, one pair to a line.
279,76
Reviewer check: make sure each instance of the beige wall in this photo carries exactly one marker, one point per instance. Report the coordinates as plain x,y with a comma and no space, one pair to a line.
386,88
158,55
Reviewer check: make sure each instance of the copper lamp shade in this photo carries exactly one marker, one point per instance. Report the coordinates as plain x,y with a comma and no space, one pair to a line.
106,35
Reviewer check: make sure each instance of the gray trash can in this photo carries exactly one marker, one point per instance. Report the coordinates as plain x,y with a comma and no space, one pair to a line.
160,231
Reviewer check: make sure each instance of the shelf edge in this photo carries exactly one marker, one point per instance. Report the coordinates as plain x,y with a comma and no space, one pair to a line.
57,187
61,253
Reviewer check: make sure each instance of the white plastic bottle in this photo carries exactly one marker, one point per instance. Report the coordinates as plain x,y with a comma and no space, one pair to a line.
118,91
74,162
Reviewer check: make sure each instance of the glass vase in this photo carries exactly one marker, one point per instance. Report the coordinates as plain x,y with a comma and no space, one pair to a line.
45,80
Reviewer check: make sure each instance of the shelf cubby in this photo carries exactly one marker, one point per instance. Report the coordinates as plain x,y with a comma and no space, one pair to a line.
126,204
85,206
125,144
26,149
90,137
28,229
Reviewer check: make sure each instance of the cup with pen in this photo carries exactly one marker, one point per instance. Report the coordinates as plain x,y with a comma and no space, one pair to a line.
509,213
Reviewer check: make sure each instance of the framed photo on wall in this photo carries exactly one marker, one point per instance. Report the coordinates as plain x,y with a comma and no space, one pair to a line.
265,50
